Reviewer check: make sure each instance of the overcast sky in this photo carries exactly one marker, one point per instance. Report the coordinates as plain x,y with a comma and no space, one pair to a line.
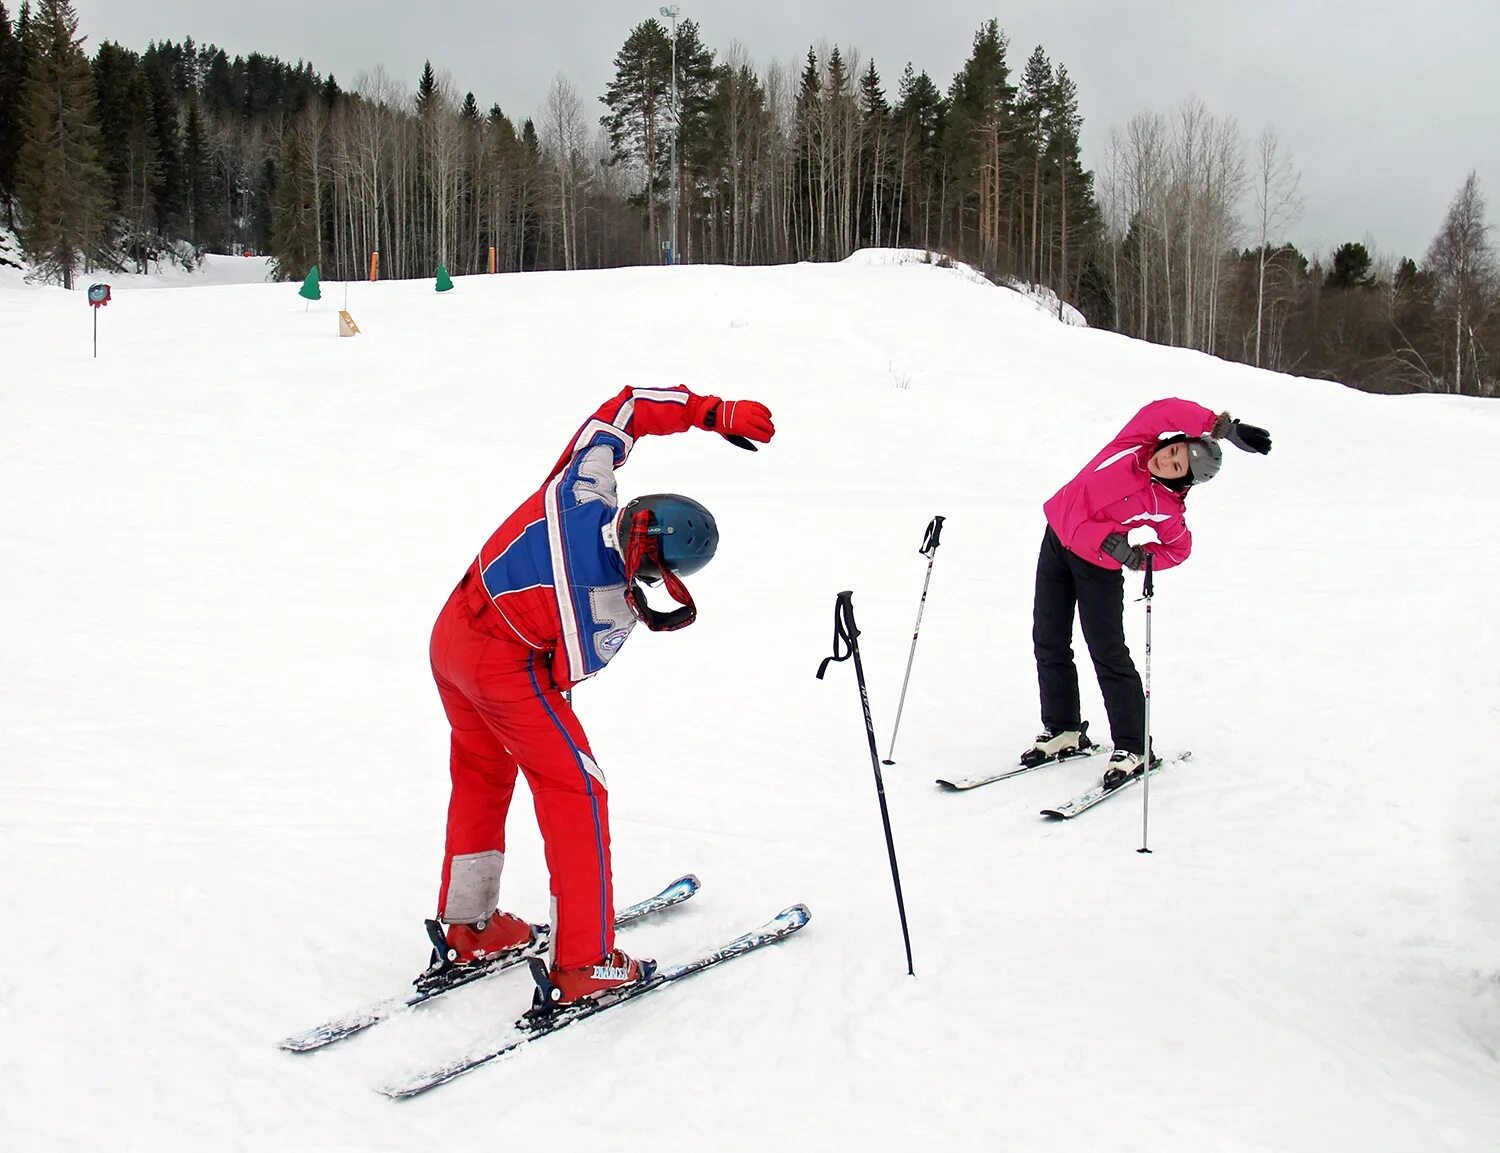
1385,106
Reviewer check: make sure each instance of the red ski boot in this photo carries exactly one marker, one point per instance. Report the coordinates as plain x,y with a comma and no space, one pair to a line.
459,951
498,933
559,987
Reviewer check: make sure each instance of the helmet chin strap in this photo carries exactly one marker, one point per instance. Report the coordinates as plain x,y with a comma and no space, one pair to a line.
642,544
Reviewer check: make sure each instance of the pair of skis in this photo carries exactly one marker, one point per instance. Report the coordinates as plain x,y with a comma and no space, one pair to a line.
1082,802
529,1027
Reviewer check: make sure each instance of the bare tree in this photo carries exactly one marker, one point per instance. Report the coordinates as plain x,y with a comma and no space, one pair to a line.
372,130
1224,186
1188,163
1112,200
1277,204
312,129
1146,177
1463,260
565,138
442,148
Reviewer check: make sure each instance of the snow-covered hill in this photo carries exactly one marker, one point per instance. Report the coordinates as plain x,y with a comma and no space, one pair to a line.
223,764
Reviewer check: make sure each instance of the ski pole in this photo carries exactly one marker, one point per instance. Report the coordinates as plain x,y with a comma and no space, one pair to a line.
930,541
845,630
1147,593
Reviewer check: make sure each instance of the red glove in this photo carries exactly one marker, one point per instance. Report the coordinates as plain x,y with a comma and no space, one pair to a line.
738,421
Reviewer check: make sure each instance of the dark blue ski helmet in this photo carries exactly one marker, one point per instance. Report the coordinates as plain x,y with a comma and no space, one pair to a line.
682,530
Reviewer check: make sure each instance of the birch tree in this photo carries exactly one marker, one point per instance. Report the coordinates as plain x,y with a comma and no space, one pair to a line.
1277,204
1462,259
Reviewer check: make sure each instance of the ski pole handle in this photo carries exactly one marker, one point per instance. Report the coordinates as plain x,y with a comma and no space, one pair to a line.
844,630
1150,587
932,537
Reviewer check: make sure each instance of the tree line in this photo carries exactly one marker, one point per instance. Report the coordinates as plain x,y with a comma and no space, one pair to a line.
123,159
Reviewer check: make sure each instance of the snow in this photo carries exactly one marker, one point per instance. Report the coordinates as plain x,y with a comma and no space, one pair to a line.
212,270
1042,298
223,774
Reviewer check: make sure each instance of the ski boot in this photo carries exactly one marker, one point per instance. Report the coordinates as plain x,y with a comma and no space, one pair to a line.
1058,746
556,988
1123,765
462,946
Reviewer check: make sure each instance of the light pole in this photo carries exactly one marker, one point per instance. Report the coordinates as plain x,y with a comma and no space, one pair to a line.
671,11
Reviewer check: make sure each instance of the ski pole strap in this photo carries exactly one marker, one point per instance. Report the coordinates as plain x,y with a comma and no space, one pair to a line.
844,630
1150,584
931,538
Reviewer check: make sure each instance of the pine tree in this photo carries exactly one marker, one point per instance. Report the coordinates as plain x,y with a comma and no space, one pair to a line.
1033,108
202,190
698,149
1079,217
426,88
469,110
923,115
639,119
294,237
981,99
60,183
1350,267
10,115
220,90
138,166
115,82
808,129
839,118
158,64
875,115
529,224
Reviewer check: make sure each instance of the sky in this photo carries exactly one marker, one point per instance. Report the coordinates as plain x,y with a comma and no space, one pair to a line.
1384,106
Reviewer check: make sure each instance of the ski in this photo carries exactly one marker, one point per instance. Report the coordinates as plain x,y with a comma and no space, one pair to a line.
959,784
1087,800
359,1020
531,1028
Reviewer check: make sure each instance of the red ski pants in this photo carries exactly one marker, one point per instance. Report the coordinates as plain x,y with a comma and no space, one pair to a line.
506,714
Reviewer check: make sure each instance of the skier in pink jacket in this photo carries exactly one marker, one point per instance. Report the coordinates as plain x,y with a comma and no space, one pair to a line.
1138,481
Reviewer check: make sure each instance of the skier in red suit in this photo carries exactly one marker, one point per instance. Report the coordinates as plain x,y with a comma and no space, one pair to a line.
551,597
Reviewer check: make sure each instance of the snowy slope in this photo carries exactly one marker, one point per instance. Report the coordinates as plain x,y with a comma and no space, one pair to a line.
223,764
212,271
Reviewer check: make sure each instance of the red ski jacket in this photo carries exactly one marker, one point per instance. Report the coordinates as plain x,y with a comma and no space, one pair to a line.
553,570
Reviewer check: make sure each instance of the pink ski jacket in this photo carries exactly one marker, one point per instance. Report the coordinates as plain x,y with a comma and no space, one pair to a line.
1115,493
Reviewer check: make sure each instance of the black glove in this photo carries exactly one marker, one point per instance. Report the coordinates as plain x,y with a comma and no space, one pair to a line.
1248,437
1130,556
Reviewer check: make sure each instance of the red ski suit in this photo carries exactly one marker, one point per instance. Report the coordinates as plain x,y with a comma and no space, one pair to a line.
541,608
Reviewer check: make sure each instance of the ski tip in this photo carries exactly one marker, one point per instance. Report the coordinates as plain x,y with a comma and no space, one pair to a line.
687,883
795,916
946,786
1054,814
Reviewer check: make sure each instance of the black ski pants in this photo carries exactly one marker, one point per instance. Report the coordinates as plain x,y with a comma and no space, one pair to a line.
1065,581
